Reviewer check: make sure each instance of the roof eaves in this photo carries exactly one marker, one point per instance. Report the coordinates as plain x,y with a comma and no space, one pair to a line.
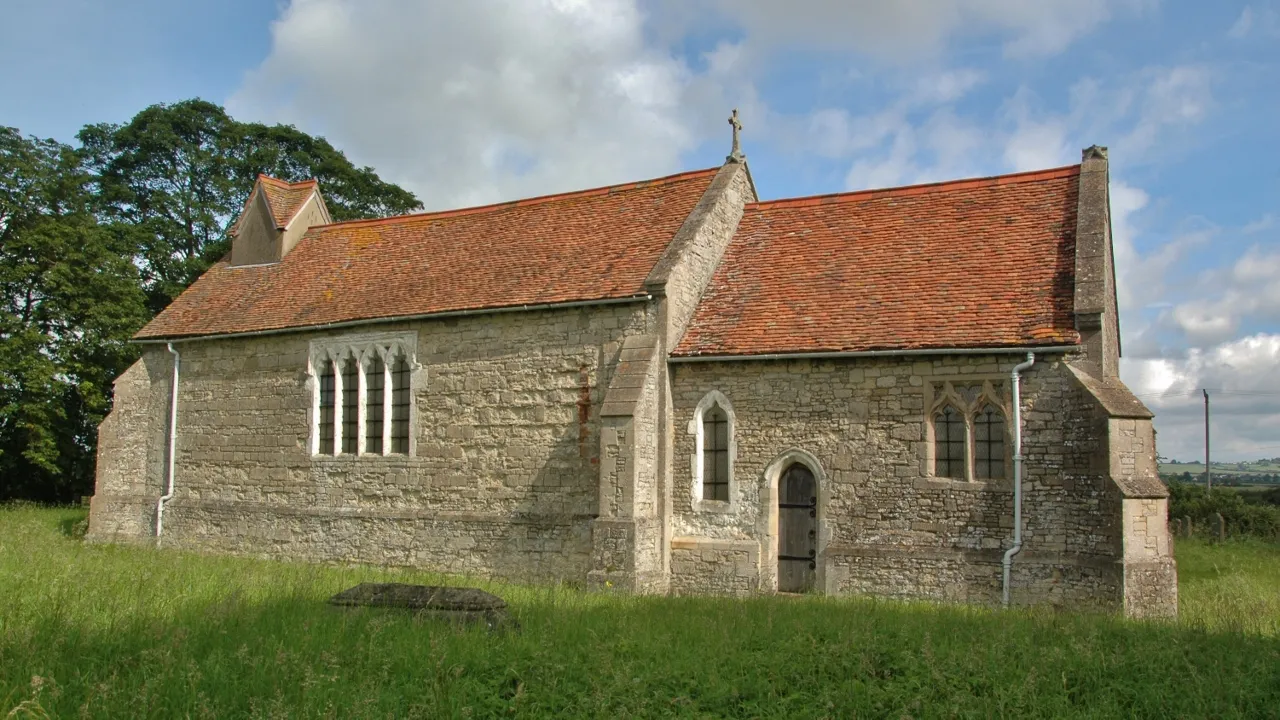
679,356
141,339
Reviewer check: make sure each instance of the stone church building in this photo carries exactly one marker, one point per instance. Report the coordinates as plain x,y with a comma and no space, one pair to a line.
668,386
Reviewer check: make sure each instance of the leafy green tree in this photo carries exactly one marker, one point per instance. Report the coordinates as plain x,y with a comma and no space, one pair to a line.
175,178
70,300
95,241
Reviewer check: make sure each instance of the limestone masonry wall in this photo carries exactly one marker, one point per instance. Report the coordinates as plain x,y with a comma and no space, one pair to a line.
131,451
503,480
886,526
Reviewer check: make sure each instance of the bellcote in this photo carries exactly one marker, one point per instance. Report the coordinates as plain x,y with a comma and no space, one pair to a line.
274,219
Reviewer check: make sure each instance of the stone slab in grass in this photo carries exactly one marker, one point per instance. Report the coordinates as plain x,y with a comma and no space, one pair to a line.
449,603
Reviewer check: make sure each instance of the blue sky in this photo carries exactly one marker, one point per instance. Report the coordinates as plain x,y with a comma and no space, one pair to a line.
479,101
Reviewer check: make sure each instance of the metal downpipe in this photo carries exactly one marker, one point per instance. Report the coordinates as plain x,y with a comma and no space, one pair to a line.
173,441
1017,474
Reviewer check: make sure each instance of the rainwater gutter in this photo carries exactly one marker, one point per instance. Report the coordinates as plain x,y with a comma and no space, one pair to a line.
872,353
401,318
1017,474
173,442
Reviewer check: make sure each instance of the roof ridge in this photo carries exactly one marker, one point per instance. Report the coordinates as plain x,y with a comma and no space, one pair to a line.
921,189
535,200
286,183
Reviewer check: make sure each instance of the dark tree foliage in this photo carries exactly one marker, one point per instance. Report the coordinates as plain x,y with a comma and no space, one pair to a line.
1241,517
94,241
70,301
177,176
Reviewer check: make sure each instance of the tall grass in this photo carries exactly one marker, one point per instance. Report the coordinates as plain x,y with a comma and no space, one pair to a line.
103,631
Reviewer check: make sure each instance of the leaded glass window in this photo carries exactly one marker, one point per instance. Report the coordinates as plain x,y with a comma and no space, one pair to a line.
715,454
988,444
326,407
375,384
400,406
350,405
949,441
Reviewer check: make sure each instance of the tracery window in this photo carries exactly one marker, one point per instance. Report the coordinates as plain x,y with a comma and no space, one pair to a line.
968,433
363,395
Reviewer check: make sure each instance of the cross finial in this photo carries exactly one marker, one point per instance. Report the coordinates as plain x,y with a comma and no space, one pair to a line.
735,155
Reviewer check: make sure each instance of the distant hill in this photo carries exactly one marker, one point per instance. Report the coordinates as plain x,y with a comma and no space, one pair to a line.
1260,472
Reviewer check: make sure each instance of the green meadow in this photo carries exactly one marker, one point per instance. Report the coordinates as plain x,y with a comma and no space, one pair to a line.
91,631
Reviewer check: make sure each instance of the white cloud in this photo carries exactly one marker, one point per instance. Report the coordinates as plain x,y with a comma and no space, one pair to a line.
906,30
1244,390
479,101
1266,222
1264,21
1248,290
1243,24
475,102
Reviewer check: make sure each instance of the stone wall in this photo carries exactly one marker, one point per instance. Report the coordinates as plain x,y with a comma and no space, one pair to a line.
721,567
885,525
131,451
503,479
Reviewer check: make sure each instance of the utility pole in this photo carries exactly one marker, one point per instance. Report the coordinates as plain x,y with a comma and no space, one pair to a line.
1208,475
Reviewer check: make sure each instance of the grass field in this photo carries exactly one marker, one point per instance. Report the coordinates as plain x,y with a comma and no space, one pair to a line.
93,631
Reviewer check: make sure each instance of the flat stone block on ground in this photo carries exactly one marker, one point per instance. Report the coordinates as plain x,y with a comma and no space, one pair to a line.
448,603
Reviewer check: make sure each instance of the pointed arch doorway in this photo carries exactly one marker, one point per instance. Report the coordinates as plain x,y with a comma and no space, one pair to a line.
797,529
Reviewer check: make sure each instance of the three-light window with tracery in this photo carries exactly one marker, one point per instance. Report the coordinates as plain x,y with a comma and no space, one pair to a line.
363,398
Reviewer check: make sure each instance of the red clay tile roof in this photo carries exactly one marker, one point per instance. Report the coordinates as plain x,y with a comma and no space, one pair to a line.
286,199
967,264
588,245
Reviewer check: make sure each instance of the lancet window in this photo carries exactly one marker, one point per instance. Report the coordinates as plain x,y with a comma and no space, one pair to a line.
712,427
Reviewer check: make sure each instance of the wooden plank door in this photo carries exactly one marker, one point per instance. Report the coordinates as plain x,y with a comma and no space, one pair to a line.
797,529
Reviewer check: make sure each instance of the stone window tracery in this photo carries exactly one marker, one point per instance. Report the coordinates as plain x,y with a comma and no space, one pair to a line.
968,431
362,394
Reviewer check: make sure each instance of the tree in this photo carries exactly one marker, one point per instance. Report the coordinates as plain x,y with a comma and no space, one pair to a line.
70,301
95,241
175,177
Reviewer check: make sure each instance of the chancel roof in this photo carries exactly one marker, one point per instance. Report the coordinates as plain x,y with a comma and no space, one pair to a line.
982,263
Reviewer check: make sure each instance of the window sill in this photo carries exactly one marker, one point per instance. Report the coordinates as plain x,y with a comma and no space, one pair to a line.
724,507
348,457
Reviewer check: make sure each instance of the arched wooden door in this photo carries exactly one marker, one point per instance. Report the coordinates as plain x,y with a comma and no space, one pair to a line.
797,529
